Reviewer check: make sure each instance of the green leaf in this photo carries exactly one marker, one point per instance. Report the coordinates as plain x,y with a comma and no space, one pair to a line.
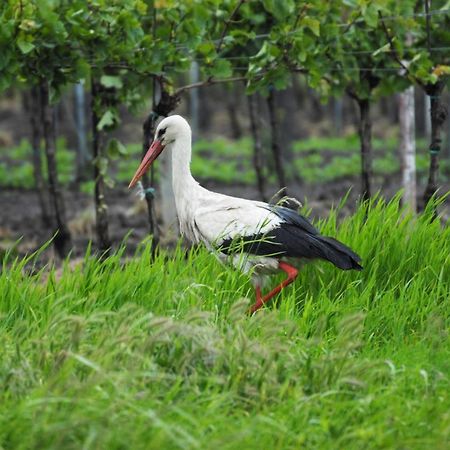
108,119
416,58
313,25
141,7
371,15
279,8
4,83
111,81
441,70
28,25
82,69
116,148
54,93
383,49
206,48
102,164
25,46
109,182
221,69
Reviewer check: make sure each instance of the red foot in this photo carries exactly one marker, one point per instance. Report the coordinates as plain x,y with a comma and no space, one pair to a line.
291,272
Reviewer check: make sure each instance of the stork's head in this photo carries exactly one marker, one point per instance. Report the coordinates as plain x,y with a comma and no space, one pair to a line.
168,131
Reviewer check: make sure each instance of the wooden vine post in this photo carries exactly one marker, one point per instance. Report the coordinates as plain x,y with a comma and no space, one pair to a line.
438,114
365,137
365,130
258,157
33,106
101,208
62,239
275,141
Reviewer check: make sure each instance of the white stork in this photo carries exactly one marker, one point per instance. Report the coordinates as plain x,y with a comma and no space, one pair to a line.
256,237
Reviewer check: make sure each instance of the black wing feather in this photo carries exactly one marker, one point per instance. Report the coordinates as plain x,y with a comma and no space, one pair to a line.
292,217
294,237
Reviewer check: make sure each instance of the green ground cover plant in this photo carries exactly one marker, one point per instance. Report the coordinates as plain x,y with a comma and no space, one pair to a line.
134,353
226,161
16,169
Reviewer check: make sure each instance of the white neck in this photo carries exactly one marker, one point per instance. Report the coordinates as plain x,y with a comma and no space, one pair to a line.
183,183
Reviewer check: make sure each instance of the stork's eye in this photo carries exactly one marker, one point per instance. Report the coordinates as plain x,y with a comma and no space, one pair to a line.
161,132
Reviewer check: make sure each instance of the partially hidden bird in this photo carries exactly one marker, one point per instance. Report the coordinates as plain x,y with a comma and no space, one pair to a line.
256,237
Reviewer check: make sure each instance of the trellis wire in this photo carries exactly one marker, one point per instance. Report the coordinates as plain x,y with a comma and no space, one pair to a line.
356,52
336,69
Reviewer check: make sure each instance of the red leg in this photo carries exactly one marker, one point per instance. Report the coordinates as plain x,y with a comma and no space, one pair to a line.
261,300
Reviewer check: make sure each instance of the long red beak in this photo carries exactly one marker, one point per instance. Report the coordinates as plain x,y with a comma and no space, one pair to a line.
153,152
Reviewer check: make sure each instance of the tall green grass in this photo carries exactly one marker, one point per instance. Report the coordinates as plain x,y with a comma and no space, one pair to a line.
160,354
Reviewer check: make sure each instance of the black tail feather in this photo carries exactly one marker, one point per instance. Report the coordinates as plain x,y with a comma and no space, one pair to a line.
339,254
299,238
293,240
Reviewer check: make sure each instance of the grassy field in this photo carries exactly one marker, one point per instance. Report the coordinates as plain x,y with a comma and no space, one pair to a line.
315,160
161,355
